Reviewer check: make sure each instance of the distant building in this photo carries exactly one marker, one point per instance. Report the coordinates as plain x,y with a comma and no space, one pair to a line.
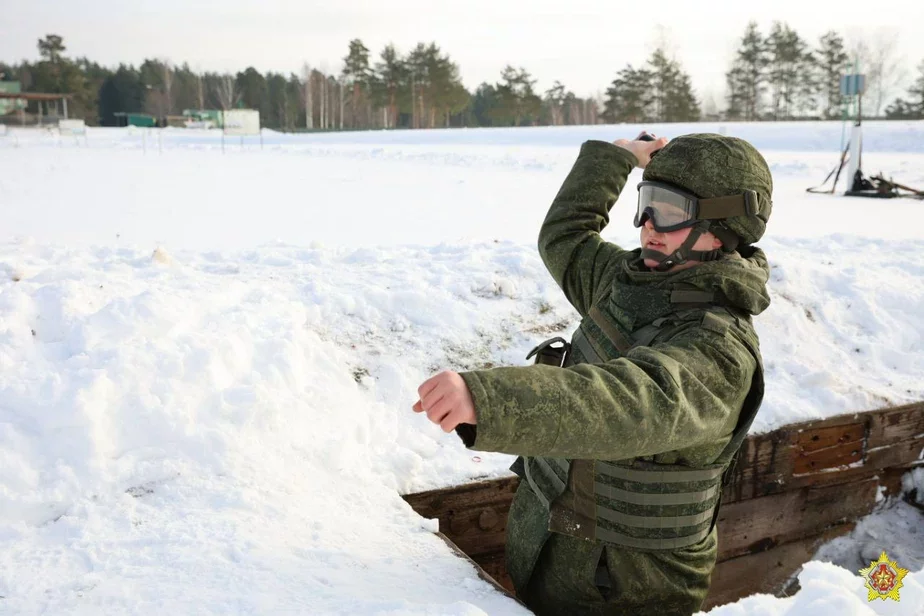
9,105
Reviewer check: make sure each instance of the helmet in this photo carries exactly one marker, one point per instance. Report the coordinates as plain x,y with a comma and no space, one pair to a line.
708,166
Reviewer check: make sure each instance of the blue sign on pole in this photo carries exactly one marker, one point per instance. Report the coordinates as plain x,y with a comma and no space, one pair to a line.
853,85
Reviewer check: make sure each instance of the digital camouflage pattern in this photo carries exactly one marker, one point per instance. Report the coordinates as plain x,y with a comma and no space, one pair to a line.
710,165
676,401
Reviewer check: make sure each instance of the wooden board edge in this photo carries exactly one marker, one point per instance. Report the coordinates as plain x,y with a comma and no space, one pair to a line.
478,569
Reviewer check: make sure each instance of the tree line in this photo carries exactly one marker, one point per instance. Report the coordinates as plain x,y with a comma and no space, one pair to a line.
782,76
777,76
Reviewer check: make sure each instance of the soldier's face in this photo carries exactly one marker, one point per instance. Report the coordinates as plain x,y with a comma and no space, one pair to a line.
672,240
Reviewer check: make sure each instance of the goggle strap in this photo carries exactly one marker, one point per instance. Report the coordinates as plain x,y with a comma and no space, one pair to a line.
724,207
703,255
684,252
729,238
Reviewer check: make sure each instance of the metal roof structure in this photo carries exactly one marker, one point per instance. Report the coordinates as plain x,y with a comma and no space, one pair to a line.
35,96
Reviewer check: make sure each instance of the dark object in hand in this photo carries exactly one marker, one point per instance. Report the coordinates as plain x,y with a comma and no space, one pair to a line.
647,137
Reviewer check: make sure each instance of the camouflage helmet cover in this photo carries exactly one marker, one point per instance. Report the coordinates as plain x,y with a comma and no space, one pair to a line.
710,165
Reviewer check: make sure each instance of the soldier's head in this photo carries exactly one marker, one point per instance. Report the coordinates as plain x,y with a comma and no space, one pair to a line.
701,195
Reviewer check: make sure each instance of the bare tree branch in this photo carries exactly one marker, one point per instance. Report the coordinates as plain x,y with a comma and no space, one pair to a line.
227,92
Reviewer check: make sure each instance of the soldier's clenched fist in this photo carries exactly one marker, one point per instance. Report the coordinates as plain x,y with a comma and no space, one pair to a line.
446,400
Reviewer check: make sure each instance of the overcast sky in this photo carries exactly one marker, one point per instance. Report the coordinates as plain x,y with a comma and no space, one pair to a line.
583,45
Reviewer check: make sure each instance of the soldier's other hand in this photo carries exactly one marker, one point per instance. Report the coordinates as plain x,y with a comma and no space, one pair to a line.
642,149
446,400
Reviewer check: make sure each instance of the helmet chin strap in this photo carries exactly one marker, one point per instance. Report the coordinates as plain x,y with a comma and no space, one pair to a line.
685,252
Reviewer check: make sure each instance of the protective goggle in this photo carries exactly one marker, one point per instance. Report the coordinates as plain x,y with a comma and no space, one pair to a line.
671,209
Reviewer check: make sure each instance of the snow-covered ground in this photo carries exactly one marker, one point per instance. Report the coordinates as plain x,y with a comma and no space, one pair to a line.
208,359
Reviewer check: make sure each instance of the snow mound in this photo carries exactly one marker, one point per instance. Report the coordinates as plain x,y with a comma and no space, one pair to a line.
828,589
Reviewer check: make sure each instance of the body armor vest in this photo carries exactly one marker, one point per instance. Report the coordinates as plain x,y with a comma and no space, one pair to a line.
636,503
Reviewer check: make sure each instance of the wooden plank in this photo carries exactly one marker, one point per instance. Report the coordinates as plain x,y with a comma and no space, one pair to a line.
897,424
826,452
898,455
473,516
758,524
902,453
496,566
761,466
837,456
479,569
765,572
434,503
817,439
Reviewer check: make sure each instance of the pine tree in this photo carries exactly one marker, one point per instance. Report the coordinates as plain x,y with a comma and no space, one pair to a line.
832,60
916,92
681,105
391,75
253,91
660,92
807,88
913,108
357,73
518,103
121,92
51,48
672,90
446,94
484,101
664,74
629,97
786,57
747,77
417,66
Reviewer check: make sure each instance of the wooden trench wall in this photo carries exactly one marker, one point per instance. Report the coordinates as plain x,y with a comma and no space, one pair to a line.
789,491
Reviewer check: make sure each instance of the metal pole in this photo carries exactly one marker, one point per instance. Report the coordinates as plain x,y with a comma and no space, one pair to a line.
65,107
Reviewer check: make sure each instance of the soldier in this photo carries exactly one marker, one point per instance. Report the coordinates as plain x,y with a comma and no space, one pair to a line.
624,439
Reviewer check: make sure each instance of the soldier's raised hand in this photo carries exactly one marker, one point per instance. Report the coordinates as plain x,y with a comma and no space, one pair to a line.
642,149
446,400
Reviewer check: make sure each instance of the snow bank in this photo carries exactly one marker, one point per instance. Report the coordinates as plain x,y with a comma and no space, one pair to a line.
879,135
828,589
194,433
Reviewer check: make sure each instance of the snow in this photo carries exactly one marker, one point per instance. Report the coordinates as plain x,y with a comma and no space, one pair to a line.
913,483
207,359
826,588
895,526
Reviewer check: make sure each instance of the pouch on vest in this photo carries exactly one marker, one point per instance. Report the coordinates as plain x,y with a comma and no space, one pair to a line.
550,355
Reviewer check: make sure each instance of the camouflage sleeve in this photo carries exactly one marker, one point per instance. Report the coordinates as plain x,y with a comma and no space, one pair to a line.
569,241
657,399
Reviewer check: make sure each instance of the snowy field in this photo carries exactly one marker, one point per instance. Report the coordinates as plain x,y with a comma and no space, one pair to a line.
208,358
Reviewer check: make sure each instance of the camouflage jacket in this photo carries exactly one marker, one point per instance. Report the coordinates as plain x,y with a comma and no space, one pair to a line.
677,400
